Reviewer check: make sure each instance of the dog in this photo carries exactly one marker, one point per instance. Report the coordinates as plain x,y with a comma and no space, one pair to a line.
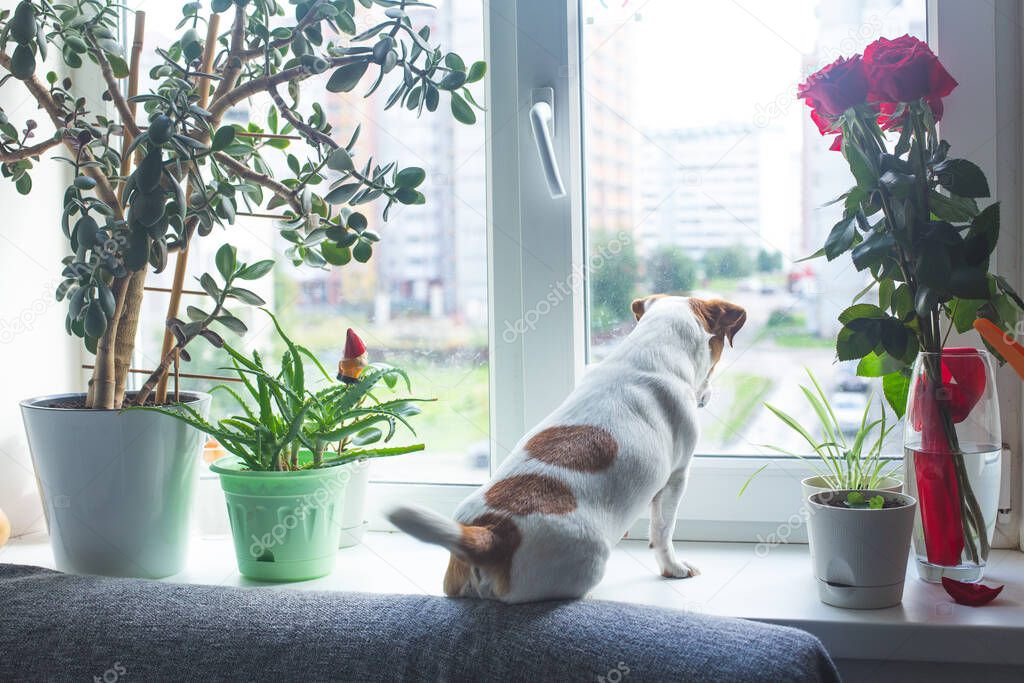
545,524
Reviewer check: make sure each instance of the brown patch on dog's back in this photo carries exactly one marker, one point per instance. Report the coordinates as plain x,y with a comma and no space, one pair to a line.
489,543
525,494
584,448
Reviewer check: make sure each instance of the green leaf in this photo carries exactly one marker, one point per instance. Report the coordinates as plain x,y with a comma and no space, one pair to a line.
476,72
362,251
872,250
896,386
342,193
334,254
95,320
861,311
410,177
461,110
961,177
347,77
232,323
841,237
452,81
256,270
965,312
224,136
226,260
340,160
981,240
895,338
968,282
453,61
851,344
246,296
23,62
933,264
859,166
876,502
873,365
147,175
954,209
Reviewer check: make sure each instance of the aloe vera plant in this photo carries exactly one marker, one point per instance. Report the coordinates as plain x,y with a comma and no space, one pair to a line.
841,463
284,425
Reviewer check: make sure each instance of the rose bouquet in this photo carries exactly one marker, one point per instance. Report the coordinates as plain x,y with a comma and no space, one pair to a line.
913,223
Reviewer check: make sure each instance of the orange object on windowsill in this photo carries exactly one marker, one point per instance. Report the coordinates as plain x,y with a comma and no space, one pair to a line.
213,451
1011,351
5,528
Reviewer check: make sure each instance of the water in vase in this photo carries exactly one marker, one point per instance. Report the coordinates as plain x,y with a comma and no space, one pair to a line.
942,512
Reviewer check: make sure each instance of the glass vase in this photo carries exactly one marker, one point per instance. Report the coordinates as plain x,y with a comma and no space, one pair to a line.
952,446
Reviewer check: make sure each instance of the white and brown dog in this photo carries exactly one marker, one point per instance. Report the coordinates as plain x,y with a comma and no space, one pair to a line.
543,527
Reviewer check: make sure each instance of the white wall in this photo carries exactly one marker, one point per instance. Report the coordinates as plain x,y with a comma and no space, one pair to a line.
36,355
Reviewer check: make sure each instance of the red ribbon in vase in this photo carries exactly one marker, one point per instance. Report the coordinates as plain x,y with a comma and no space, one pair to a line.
963,383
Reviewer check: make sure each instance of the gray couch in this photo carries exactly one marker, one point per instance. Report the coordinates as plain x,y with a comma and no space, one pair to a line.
60,627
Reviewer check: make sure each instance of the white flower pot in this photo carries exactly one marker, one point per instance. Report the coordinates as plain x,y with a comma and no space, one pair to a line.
117,485
860,555
353,516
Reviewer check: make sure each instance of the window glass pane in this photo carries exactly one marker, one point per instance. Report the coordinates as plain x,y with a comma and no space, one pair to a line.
706,176
420,303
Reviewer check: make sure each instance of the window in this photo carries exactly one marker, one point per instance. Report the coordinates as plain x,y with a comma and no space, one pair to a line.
420,303
689,165
686,164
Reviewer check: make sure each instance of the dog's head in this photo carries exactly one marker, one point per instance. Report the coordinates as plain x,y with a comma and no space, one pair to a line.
717,320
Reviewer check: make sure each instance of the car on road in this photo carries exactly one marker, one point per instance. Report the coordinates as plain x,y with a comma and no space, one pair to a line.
849,409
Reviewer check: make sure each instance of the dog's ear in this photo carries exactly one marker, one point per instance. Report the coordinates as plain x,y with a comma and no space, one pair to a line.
720,318
641,305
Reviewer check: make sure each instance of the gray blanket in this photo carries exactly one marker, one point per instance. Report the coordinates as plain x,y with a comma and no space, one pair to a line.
60,627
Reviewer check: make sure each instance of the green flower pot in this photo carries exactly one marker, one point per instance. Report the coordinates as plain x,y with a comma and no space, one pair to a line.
285,525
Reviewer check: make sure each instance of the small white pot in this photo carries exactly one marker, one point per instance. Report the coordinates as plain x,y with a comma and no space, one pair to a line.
860,555
812,485
353,517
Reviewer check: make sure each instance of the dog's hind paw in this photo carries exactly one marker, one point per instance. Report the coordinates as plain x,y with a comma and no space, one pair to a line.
679,570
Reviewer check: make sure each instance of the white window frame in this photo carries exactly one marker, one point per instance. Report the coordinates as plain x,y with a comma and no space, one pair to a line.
536,252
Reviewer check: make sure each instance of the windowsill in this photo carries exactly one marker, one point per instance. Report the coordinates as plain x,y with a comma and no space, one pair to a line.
776,588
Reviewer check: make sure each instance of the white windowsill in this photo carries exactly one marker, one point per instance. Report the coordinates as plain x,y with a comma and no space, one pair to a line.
776,588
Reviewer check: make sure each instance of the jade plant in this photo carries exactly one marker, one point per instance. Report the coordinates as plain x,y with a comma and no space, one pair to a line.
152,171
283,424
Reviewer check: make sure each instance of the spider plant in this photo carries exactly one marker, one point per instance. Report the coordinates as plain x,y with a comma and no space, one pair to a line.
841,463
283,425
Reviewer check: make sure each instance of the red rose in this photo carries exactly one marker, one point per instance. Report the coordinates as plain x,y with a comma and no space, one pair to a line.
905,70
834,89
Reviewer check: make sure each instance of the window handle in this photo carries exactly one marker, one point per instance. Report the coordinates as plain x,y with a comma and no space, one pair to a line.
542,122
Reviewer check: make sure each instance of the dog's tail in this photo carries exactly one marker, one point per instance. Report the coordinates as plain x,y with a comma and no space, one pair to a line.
428,526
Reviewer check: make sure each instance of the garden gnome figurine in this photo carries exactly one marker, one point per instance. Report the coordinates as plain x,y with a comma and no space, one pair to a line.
354,359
